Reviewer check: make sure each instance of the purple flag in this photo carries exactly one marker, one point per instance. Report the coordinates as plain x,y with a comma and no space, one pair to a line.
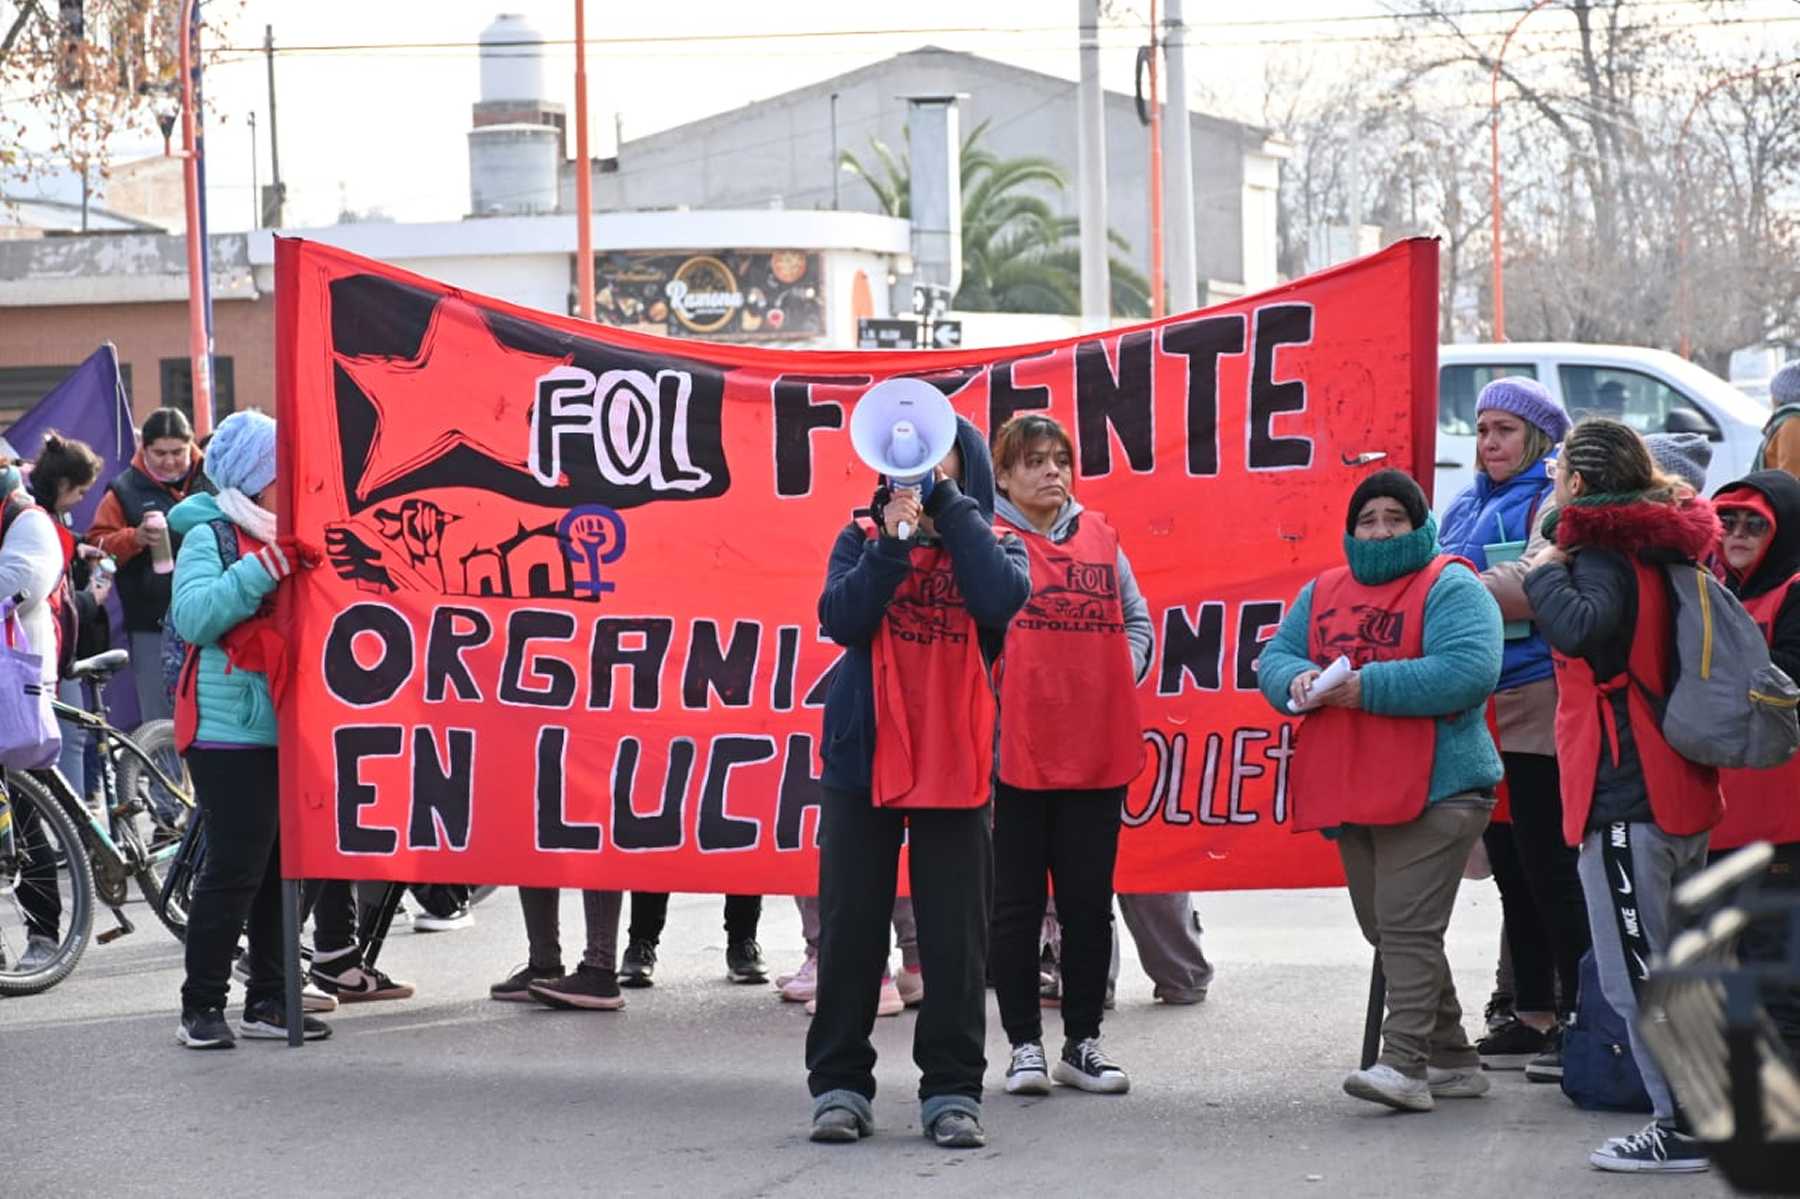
89,405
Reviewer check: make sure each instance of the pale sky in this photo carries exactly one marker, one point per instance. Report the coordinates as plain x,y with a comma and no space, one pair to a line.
386,127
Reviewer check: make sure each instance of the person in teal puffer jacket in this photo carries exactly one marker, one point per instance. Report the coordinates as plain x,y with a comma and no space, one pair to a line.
224,614
1395,764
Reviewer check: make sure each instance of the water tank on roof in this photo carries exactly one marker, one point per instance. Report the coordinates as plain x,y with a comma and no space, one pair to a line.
512,169
512,59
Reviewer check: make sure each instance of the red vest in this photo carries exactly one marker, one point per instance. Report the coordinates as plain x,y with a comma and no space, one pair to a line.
1761,805
934,706
1684,796
1354,767
1068,694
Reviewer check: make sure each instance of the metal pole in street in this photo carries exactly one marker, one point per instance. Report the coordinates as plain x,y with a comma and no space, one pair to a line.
199,282
1156,180
584,179
835,170
256,212
1178,153
1096,289
272,216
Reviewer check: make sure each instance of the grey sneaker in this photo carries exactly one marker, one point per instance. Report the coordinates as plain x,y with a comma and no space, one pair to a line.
1470,1083
839,1125
957,1129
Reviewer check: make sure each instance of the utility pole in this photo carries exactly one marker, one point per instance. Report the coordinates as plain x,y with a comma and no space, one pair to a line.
1178,153
835,172
1156,181
272,214
584,176
1096,287
256,212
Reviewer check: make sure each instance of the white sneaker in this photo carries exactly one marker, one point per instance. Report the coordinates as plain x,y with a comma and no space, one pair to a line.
803,984
889,1003
912,986
1386,1085
1029,1073
1457,1084
314,1000
426,922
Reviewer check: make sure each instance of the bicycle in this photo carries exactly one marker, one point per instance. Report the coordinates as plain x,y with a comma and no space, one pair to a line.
51,841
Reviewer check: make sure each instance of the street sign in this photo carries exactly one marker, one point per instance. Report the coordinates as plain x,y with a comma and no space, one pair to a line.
884,333
946,335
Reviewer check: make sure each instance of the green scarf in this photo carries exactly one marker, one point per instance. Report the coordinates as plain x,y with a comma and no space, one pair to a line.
1603,500
1376,562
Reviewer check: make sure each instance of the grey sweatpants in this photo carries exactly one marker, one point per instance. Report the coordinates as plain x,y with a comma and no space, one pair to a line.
1629,873
906,928
1166,930
543,926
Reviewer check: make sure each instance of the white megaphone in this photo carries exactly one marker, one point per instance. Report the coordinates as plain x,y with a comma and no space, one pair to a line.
903,428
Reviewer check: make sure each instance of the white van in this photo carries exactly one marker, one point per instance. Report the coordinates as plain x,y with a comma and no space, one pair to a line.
1653,391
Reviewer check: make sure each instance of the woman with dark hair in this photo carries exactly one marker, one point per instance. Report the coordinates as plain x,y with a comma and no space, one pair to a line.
1638,810
1491,524
36,551
1395,764
1071,740
60,479
909,753
131,524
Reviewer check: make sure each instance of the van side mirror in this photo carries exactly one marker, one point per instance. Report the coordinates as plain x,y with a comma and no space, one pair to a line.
1687,420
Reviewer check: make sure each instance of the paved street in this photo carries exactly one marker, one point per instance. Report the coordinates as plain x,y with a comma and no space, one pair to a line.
697,1086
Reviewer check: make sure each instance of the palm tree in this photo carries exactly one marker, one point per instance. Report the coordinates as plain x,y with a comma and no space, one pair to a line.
1018,254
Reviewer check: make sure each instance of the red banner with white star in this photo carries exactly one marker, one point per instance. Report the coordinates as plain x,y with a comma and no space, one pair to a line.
565,630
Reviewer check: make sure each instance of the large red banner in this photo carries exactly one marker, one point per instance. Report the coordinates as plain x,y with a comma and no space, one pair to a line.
566,632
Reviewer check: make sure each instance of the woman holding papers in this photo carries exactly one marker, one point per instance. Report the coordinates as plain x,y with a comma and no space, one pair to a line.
1395,764
1494,524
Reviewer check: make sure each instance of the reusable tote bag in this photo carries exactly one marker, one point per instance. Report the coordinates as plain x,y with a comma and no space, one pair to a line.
29,737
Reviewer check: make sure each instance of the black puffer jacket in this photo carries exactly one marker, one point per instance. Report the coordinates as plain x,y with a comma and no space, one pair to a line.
1589,608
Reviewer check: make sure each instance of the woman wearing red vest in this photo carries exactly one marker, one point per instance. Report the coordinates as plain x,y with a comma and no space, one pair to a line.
909,752
1395,763
1761,565
1638,810
1070,741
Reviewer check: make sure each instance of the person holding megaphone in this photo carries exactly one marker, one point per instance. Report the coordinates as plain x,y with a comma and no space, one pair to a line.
920,598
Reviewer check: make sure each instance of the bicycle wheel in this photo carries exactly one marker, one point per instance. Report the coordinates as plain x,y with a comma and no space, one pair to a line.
164,814
157,821
175,895
35,893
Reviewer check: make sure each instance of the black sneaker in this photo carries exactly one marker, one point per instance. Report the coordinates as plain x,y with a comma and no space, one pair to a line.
1499,1011
205,1030
744,962
345,978
638,969
516,987
1512,1047
267,1021
589,989
1084,1065
1029,1073
1548,1065
1653,1150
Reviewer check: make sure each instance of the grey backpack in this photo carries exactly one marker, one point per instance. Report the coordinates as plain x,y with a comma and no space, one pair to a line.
1731,706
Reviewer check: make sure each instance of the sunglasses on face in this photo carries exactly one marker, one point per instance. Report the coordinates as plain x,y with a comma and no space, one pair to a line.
1747,523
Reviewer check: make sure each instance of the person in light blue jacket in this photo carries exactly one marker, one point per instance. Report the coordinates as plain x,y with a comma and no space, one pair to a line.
1493,523
224,613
